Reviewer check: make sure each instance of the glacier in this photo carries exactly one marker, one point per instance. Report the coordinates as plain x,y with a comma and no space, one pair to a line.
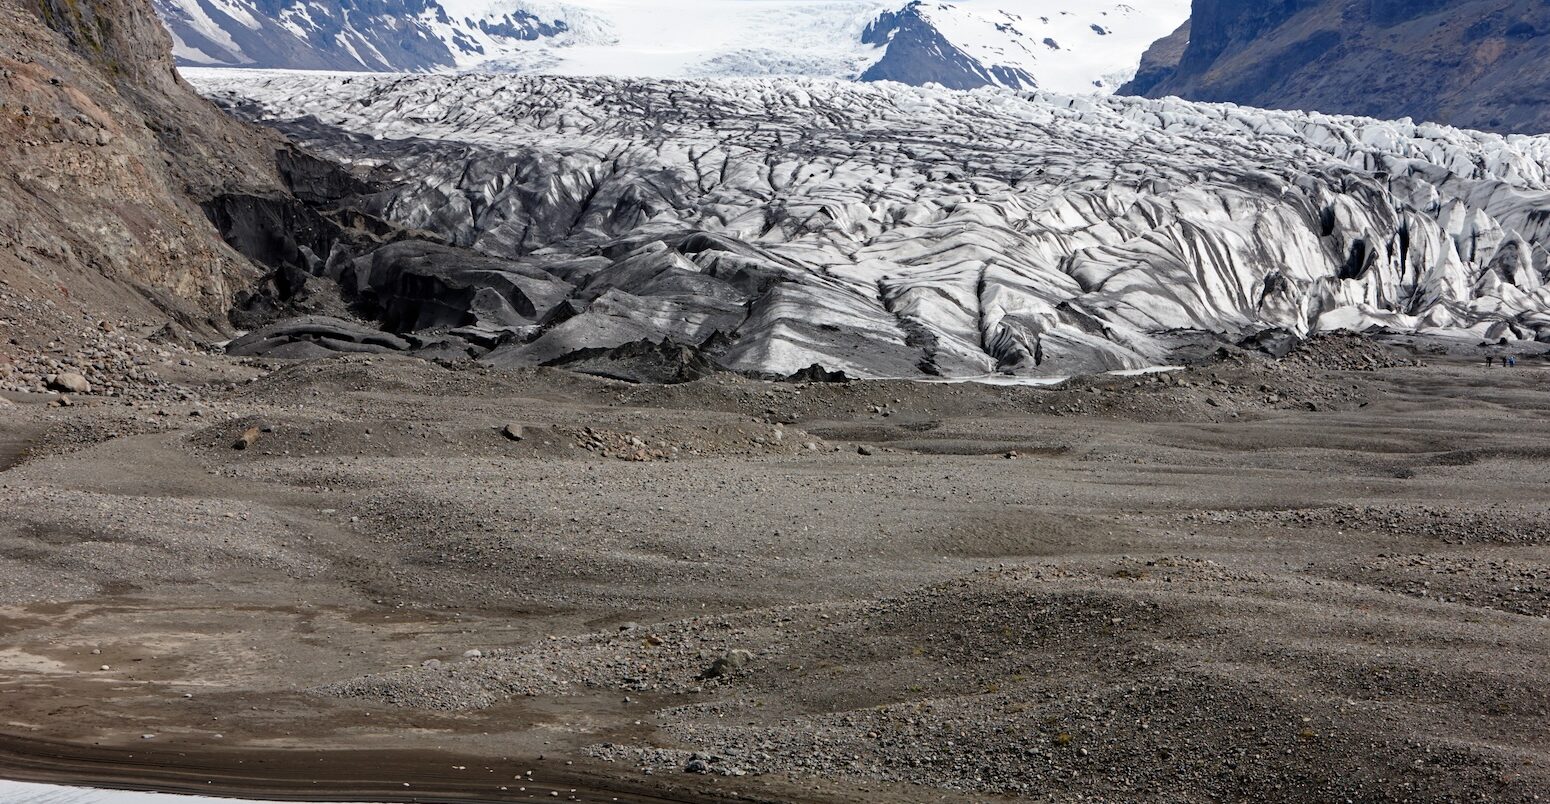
884,230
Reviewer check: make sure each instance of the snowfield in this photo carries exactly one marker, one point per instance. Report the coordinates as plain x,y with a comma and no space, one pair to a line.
891,231
1058,45
1067,47
686,38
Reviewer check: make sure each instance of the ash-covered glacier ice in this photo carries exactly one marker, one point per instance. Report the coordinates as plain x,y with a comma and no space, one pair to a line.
885,230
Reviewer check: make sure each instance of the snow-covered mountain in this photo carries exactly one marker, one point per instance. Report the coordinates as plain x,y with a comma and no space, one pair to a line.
1047,44
1063,45
373,35
892,231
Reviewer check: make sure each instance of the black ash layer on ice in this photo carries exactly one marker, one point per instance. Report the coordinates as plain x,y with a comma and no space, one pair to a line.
888,231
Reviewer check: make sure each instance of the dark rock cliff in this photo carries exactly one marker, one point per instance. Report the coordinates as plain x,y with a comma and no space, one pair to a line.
1471,63
1159,62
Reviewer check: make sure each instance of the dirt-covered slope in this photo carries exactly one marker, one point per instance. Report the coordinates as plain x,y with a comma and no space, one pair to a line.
105,155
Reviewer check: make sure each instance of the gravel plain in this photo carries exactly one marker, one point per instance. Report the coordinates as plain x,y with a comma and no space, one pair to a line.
1318,579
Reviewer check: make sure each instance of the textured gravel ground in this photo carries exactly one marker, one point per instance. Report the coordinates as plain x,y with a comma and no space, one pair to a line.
1330,584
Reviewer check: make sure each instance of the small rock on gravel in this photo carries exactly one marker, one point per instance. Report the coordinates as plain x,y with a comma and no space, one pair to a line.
727,664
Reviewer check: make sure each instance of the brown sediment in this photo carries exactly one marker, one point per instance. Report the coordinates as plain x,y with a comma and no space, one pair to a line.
14,442
1107,589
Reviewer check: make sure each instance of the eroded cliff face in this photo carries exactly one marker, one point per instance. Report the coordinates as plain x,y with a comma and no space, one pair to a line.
1471,63
105,157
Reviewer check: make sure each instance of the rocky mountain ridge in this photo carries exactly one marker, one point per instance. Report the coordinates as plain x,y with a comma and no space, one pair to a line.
1470,63
916,52
389,35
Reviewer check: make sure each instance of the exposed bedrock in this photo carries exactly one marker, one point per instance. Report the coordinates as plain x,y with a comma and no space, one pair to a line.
887,231
105,156
1475,63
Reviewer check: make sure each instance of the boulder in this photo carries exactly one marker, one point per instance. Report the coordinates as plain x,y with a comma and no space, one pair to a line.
1275,342
69,382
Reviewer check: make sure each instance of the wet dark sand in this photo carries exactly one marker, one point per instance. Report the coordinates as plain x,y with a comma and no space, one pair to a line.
310,776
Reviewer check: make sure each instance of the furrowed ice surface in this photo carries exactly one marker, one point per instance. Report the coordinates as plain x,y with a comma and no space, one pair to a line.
891,231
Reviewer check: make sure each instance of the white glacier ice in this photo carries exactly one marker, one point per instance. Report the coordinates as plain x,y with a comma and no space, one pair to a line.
887,231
